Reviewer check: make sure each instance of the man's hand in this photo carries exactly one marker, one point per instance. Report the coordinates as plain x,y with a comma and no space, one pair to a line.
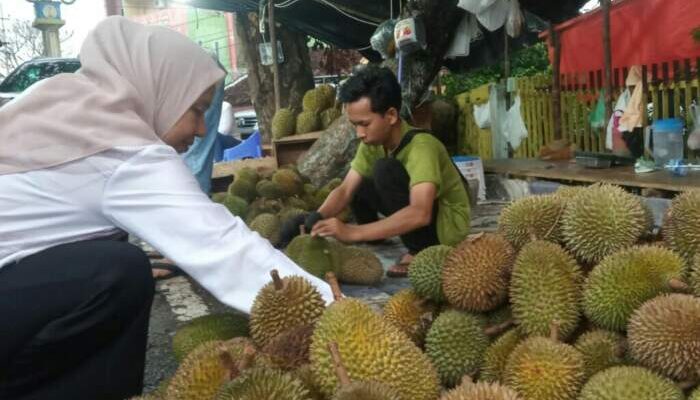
335,228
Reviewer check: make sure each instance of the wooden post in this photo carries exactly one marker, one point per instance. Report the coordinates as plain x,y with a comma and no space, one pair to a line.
275,65
556,84
607,48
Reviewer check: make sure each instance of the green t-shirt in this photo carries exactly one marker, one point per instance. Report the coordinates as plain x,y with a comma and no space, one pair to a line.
427,160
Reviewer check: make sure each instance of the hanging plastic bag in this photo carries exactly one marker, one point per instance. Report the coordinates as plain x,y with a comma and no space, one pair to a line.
467,31
475,6
382,39
514,23
694,137
514,128
495,16
482,116
597,117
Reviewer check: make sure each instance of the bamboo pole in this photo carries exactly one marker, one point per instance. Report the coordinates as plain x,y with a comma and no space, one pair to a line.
556,84
275,65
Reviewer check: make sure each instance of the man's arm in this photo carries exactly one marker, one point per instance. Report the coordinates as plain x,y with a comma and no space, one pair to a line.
340,197
416,215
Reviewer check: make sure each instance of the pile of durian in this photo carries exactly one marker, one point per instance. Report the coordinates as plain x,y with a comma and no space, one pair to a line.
267,203
573,298
319,110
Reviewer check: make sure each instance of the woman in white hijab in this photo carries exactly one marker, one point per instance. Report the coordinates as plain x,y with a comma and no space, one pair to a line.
91,154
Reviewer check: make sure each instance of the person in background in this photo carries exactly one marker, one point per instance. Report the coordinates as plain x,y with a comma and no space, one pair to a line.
86,157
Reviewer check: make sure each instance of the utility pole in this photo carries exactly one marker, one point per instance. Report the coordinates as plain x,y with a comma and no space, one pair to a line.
113,7
48,21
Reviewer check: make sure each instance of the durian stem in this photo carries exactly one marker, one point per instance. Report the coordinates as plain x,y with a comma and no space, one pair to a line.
229,365
302,229
554,330
279,284
467,380
496,330
340,370
678,285
335,286
556,221
248,357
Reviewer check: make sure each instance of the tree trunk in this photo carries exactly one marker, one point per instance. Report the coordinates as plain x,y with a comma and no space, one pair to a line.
295,72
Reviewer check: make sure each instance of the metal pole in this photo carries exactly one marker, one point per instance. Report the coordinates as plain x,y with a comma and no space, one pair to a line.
275,65
556,84
607,48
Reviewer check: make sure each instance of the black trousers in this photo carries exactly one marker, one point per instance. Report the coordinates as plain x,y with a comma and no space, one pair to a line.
74,322
387,192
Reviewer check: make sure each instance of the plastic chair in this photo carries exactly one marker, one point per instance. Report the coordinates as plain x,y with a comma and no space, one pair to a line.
249,148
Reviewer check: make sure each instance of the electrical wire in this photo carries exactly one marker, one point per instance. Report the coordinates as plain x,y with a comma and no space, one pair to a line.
328,3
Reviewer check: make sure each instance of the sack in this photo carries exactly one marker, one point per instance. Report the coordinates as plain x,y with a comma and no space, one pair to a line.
514,23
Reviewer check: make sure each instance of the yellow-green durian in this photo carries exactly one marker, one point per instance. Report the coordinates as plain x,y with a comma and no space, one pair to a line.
629,383
681,228
532,218
601,349
205,328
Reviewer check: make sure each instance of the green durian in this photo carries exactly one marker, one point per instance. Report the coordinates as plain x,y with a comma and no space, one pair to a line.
283,123
296,202
248,174
694,276
308,121
425,272
244,189
218,197
681,228
695,395
268,226
326,96
288,181
532,218
496,356
264,384
269,190
366,390
407,311
601,350
313,253
481,391
236,205
312,101
328,116
629,383
359,266
205,328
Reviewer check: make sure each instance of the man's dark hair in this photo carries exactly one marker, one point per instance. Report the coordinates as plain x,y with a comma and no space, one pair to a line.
378,84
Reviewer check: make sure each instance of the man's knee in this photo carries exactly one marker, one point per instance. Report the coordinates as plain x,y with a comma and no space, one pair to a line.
390,173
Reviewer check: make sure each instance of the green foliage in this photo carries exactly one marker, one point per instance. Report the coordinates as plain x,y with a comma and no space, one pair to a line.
524,62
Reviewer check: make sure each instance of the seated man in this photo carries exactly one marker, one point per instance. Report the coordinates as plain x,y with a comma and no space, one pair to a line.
403,173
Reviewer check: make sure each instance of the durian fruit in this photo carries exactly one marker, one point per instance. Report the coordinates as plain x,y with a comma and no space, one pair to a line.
456,343
359,390
695,395
288,181
425,272
149,396
664,336
328,116
289,213
248,174
624,280
236,205
281,305
202,372
694,277
268,226
629,382
545,286
567,193
283,123
532,218
308,121
601,220
296,202
469,390
244,189
540,368
269,190
312,101
262,206
306,375
359,266
326,96
408,312
290,349
476,274
601,350
206,328
218,197
313,253
496,356
371,349
681,229
263,384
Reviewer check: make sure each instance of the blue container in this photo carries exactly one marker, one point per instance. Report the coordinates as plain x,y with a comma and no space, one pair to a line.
249,148
668,141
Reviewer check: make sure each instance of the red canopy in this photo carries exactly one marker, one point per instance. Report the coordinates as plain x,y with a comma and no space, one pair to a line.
642,32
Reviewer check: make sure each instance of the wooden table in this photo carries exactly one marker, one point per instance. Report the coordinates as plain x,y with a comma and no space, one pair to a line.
570,171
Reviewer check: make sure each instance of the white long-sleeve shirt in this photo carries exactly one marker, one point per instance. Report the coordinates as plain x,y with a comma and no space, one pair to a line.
150,193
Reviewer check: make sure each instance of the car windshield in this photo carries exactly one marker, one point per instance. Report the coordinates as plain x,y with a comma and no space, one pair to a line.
32,73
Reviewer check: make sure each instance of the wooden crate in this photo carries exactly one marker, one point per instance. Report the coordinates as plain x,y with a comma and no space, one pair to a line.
288,150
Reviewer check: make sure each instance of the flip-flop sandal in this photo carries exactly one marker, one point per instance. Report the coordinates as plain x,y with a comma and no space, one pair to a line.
174,270
399,270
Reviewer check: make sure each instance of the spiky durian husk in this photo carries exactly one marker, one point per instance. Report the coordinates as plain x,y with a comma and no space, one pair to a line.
664,335
264,384
236,205
696,393
371,348
694,276
283,123
406,311
326,96
456,343
308,121
629,383
314,254
276,311
532,218
290,350
206,328
681,229
269,190
243,188
545,287
312,101
476,274
625,280
496,356
366,390
288,181
601,350
425,272
328,116
359,266
268,226
481,391
601,220
542,369
248,174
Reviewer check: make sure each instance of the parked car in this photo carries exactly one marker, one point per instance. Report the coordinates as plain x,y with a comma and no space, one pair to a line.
33,71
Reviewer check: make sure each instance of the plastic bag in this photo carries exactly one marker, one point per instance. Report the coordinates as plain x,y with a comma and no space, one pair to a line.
382,39
597,117
694,137
514,23
495,16
467,31
482,116
514,128
475,6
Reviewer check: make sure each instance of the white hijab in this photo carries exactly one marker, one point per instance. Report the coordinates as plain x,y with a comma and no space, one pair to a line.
135,83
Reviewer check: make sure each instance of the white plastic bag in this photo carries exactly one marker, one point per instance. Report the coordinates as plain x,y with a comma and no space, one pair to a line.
514,23
495,16
482,115
514,128
467,31
475,6
694,137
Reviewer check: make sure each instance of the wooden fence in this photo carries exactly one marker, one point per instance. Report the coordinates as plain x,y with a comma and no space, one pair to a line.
670,89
